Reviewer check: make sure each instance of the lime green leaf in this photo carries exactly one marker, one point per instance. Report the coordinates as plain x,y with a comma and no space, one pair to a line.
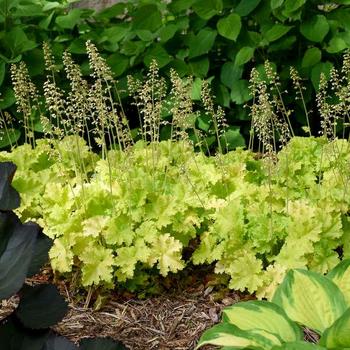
276,32
311,57
70,20
240,92
202,42
310,299
206,9
315,29
245,7
263,315
336,44
230,26
230,336
340,275
147,17
337,336
244,55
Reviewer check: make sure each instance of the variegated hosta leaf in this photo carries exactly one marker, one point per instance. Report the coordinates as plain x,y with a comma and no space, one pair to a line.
310,299
263,315
340,275
338,334
299,345
231,337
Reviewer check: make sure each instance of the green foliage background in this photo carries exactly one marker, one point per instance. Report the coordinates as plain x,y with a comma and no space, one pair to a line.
216,39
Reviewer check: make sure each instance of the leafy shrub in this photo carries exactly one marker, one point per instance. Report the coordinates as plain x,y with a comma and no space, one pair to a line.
214,39
304,298
23,250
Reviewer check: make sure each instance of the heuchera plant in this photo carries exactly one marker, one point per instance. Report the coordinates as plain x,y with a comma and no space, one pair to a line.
138,209
304,298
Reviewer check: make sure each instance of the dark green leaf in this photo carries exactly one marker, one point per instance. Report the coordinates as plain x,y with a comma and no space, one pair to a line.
70,20
118,63
336,44
322,67
158,53
180,5
77,46
133,48
7,98
277,31
315,29
206,9
2,71
8,223
145,35
245,7
291,8
112,11
230,26
167,32
19,41
230,74
244,55
41,306
199,67
9,137
101,344
35,62
240,92
202,42
276,3
116,33
311,57
232,138
147,17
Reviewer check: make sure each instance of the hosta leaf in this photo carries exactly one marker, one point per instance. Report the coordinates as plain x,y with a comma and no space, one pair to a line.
300,345
230,26
263,315
338,334
340,275
41,306
310,299
231,337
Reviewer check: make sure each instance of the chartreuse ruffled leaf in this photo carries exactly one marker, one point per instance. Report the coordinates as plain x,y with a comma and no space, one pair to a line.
231,337
338,334
340,275
310,299
263,315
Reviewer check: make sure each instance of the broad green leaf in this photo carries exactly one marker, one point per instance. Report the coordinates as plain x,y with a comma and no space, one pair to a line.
240,92
19,40
322,67
245,7
232,138
300,345
310,299
7,98
180,5
230,26
70,20
9,137
336,44
315,29
291,7
118,63
147,17
77,46
276,3
145,35
202,42
263,315
112,11
337,336
206,9
199,66
340,275
51,5
230,74
277,31
311,57
167,32
158,53
230,336
116,33
244,55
